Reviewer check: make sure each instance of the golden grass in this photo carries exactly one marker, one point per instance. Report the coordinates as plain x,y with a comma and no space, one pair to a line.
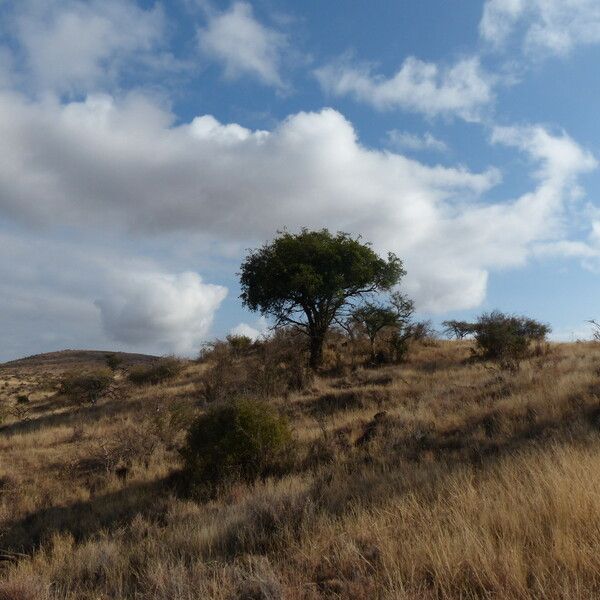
469,483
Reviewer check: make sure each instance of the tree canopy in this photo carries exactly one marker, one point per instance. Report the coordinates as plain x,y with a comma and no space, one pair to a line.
309,279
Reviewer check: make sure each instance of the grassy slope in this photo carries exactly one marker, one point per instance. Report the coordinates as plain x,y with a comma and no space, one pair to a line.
473,483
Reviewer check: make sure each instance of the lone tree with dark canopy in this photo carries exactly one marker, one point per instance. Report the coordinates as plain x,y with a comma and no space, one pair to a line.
313,278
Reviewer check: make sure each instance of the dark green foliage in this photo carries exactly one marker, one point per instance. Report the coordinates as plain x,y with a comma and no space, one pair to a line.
243,438
86,386
157,372
373,318
307,279
507,337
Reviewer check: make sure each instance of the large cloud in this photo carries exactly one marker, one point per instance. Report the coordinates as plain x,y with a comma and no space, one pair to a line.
84,292
123,164
160,310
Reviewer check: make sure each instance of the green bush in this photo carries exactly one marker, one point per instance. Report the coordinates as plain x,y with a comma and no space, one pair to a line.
241,439
507,337
86,386
155,373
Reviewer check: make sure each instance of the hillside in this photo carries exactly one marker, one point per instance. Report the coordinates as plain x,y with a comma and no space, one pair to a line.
70,359
38,376
437,478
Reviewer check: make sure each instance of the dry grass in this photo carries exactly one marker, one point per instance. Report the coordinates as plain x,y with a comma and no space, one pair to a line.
441,478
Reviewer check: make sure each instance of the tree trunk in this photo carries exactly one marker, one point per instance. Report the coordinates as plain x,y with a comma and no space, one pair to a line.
372,340
316,350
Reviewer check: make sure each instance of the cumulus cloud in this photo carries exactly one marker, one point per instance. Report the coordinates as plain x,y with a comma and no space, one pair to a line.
404,140
546,26
243,45
49,287
124,164
160,310
462,89
71,46
255,332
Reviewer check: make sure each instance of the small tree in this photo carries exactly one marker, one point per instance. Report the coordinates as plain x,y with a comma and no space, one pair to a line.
595,329
311,278
375,318
458,329
507,337
86,386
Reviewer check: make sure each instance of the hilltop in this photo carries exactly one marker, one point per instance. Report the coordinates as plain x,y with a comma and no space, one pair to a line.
63,360
442,477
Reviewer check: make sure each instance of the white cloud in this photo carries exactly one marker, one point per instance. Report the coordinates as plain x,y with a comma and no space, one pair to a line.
461,89
49,287
546,26
71,46
125,165
404,140
159,309
257,331
244,45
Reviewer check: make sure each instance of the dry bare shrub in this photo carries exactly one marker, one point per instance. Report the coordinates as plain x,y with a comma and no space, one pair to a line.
224,378
155,373
133,445
274,368
88,386
168,419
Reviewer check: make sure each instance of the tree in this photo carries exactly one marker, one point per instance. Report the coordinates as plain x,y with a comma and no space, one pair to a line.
312,278
507,337
459,329
374,317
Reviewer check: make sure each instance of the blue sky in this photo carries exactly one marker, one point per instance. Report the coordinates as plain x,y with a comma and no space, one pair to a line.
145,145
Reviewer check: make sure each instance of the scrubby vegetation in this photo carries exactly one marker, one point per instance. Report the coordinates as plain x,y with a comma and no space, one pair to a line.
240,439
86,386
155,373
439,478
351,454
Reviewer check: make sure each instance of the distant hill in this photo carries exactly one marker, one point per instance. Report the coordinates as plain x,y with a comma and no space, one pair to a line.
64,360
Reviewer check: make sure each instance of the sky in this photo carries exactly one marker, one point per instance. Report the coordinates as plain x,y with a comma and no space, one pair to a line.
146,146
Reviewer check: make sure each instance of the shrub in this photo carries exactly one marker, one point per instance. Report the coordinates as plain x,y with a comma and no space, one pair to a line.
271,368
155,373
113,361
86,386
507,337
242,438
239,344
